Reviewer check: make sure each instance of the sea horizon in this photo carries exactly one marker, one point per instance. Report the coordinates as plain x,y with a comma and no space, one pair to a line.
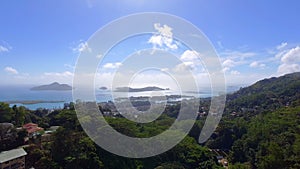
56,99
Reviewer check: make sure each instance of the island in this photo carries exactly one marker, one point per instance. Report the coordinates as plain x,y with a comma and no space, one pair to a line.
143,89
103,88
53,86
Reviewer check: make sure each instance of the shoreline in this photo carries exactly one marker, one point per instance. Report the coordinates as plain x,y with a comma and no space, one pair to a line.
29,102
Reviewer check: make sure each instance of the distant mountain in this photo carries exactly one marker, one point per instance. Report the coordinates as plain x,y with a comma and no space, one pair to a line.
143,89
53,86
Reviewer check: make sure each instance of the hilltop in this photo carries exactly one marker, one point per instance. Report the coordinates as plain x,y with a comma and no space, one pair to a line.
53,86
266,94
260,126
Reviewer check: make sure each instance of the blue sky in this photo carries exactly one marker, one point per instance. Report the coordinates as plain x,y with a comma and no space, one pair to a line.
40,40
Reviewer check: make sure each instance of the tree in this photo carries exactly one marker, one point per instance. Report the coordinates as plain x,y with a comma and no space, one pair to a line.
6,113
19,115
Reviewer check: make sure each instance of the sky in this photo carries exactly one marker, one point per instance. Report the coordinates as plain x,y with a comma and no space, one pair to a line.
40,41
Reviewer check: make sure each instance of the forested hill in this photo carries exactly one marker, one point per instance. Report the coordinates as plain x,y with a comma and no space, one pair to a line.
260,127
267,94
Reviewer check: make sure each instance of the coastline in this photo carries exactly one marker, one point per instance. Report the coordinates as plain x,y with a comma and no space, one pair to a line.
28,102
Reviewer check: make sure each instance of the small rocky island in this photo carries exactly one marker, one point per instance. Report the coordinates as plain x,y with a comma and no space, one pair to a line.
143,89
103,88
53,86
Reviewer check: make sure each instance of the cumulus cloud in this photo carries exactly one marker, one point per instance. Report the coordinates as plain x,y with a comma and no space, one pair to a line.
190,61
183,67
228,64
256,64
112,65
190,55
290,61
292,56
11,70
163,37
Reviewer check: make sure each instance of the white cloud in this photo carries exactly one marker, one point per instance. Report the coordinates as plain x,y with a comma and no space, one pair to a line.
164,69
231,54
229,63
290,61
233,58
190,61
10,70
156,40
81,47
281,46
256,64
72,67
288,68
63,74
235,72
183,67
163,37
190,55
99,56
225,69
112,65
220,45
292,56
280,54
3,49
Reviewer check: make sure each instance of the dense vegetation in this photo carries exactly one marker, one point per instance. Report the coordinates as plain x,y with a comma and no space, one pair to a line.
260,129
72,148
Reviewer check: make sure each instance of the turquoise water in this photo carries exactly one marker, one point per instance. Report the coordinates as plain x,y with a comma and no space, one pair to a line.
23,93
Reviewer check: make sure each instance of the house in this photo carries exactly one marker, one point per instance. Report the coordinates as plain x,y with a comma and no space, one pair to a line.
48,135
13,159
32,129
46,138
219,158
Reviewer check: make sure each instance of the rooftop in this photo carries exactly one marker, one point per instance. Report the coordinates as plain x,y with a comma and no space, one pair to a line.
28,125
12,154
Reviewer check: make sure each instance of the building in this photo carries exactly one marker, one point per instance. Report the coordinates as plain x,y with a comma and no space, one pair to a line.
13,159
32,129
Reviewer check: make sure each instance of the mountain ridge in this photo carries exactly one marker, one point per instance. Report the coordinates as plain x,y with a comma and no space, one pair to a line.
270,93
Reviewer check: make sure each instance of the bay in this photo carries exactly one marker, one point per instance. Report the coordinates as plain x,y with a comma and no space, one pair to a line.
23,93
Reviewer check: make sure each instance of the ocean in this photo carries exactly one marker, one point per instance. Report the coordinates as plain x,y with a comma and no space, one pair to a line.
23,93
